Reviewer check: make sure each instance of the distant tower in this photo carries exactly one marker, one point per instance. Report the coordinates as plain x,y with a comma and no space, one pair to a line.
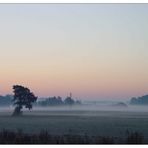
70,95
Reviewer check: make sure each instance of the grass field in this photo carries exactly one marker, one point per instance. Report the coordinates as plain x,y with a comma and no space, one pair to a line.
80,122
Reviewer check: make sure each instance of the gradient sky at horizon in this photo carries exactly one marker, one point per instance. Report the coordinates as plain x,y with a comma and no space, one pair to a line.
95,51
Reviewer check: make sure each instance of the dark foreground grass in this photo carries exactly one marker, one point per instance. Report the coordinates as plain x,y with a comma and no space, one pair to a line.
44,137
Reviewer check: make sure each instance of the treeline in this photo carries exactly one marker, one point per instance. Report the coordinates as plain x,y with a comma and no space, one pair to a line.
140,100
6,100
58,101
51,101
19,137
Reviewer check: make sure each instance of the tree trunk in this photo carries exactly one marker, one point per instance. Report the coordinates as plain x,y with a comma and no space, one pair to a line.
17,111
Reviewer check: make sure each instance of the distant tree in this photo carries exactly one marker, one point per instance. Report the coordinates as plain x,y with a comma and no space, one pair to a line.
6,100
22,97
134,101
51,101
143,100
59,100
69,101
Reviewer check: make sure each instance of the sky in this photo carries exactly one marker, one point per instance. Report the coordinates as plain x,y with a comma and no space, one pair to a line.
95,51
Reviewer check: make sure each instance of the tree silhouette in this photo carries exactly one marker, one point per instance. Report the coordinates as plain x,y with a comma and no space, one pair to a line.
22,97
69,101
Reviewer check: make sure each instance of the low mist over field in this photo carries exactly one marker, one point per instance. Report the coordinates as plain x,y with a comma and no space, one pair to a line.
85,107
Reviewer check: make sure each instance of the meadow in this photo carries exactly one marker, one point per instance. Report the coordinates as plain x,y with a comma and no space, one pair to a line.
109,123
